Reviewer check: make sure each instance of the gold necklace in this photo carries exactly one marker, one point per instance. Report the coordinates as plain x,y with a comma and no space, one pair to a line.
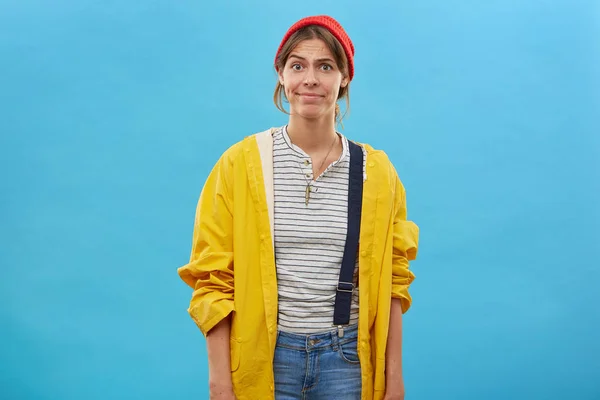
308,187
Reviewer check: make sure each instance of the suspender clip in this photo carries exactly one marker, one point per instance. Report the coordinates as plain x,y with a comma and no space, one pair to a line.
345,287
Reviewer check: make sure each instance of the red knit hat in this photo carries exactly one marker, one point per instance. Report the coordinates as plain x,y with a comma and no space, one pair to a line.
332,26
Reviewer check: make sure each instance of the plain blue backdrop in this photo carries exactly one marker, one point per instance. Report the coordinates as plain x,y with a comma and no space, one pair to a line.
113,112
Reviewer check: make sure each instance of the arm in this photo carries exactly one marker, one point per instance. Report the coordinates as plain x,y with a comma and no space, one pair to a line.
393,355
405,244
219,362
210,273
210,268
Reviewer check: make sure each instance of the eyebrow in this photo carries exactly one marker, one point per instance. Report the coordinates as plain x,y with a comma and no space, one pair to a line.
318,59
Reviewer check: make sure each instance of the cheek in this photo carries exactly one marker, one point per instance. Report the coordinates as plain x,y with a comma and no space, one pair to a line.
333,85
334,90
289,93
290,86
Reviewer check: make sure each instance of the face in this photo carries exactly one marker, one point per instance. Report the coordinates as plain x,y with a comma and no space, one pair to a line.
312,80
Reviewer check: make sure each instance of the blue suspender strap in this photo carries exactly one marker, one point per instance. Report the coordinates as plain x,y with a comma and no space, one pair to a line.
343,298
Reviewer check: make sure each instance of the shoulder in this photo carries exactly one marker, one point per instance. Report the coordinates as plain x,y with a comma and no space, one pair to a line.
380,167
370,150
376,159
250,142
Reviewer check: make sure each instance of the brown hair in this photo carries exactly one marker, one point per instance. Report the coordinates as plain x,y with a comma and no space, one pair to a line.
306,33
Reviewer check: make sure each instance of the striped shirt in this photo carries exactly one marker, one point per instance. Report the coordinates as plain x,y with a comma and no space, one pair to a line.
309,239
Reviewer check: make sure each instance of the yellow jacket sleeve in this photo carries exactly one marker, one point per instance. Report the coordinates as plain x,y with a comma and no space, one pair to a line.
405,245
210,269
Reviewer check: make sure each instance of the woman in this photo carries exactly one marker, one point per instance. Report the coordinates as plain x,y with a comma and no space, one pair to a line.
301,245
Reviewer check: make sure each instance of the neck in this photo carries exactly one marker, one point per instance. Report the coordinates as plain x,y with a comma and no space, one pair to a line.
311,135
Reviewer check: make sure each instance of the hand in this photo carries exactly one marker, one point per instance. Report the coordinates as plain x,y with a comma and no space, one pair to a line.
220,391
394,390
393,396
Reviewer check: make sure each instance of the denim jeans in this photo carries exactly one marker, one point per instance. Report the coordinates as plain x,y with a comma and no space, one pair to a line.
317,367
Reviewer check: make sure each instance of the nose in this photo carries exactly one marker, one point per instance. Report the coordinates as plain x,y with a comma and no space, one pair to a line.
310,79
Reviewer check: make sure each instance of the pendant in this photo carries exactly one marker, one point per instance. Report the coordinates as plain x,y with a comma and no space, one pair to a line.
307,195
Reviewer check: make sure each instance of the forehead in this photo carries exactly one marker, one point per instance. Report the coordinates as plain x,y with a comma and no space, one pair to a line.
312,48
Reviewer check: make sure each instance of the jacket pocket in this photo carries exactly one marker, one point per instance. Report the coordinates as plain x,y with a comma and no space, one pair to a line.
235,349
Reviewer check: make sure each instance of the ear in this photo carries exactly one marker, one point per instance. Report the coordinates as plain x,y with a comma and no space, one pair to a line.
280,75
345,81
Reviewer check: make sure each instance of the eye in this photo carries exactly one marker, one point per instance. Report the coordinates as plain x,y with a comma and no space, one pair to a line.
327,67
296,67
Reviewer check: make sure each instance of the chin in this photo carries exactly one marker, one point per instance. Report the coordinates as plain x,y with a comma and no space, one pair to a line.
311,112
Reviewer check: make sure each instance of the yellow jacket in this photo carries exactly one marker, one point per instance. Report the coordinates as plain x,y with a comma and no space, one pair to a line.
232,263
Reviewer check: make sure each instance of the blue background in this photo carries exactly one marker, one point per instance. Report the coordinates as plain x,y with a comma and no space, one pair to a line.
113,112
